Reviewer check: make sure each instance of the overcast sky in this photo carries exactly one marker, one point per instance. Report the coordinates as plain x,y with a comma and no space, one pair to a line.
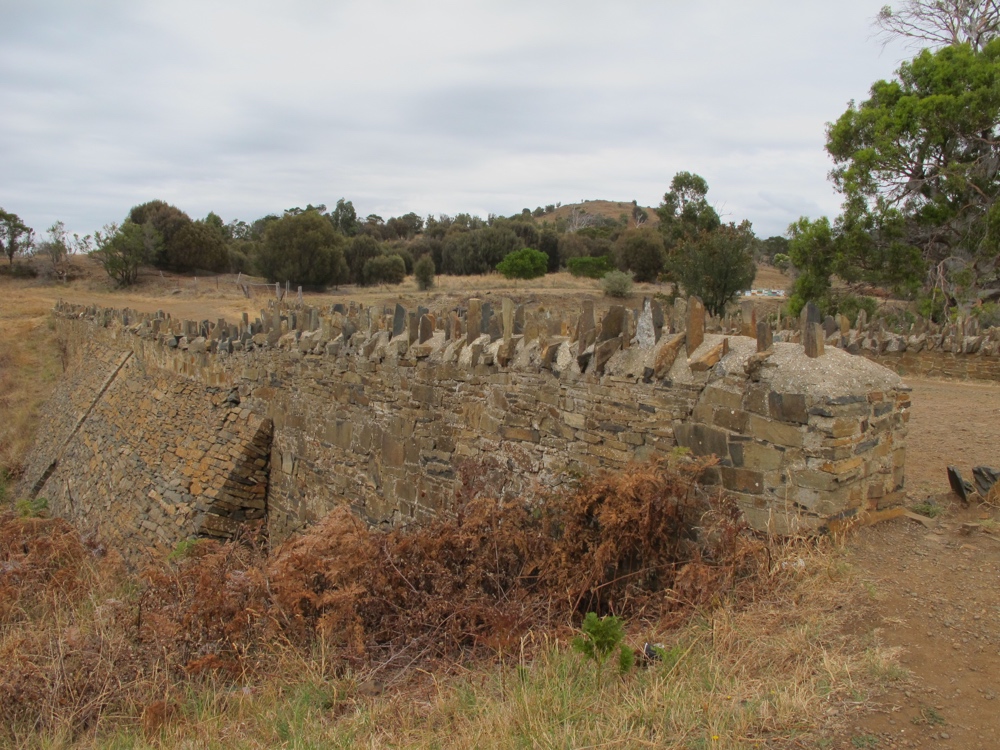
247,108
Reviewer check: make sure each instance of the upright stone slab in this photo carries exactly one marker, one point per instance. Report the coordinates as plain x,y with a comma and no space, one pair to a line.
678,316
507,313
813,337
398,321
613,324
695,324
413,327
585,332
474,321
426,328
765,339
485,317
748,314
645,333
830,326
658,319
494,328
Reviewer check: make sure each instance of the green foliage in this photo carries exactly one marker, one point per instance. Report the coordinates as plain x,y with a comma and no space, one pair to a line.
591,267
850,305
914,162
423,272
384,269
166,221
617,284
526,263
768,250
932,306
303,249
197,245
344,218
717,265
782,262
16,237
548,243
685,212
182,549
359,251
811,248
121,250
641,251
477,251
988,314
600,637
34,508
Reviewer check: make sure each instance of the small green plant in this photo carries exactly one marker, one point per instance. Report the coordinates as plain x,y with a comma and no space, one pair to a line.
928,508
525,263
617,284
928,717
182,550
600,637
33,508
864,741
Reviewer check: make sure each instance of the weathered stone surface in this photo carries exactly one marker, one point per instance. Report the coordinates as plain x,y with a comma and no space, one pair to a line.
426,329
667,355
474,321
379,422
710,358
765,338
613,324
695,324
399,321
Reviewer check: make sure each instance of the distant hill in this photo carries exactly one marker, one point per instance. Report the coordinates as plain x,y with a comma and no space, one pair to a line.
603,209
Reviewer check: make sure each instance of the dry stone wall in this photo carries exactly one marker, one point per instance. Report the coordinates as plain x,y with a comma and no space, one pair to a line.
190,427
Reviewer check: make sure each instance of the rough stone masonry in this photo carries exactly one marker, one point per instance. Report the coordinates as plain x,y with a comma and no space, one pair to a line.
169,428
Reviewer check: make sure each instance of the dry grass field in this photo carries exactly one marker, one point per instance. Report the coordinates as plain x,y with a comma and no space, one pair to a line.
885,639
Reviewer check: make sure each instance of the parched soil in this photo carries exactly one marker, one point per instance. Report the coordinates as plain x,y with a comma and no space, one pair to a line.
936,587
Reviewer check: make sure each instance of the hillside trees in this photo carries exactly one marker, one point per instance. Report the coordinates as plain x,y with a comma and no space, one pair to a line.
303,249
918,164
16,237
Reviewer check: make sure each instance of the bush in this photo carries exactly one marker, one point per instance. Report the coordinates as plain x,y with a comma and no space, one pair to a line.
850,305
592,268
20,271
988,314
642,252
423,271
617,284
303,249
384,269
524,264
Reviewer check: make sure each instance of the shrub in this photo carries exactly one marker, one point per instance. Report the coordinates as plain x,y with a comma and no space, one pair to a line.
591,267
988,314
303,249
617,284
22,271
850,305
526,263
384,269
642,252
423,271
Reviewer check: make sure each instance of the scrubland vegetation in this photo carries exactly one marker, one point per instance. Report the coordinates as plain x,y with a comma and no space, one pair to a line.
452,635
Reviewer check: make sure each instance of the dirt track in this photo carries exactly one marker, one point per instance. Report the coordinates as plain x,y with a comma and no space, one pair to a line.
935,589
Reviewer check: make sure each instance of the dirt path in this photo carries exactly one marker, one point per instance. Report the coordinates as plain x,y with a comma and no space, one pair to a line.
936,589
